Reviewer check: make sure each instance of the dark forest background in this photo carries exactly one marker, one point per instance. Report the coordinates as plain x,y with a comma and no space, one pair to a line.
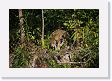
29,33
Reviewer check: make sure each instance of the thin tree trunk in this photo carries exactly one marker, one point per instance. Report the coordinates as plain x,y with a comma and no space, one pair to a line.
42,28
22,34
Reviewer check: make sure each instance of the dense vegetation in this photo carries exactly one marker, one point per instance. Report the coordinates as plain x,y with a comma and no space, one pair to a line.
27,49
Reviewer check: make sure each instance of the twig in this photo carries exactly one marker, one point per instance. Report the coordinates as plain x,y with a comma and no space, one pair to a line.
85,56
71,62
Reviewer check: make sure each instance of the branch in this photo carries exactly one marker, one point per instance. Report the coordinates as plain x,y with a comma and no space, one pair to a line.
71,62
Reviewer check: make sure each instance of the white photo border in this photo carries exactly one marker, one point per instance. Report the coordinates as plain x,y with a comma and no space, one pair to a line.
102,71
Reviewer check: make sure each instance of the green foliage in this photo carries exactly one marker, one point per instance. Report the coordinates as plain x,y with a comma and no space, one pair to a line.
86,27
53,64
32,25
21,58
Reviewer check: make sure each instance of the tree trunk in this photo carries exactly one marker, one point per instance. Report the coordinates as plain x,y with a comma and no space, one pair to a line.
22,33
42,28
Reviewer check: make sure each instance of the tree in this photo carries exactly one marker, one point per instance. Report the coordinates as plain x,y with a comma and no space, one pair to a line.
42,28
22,33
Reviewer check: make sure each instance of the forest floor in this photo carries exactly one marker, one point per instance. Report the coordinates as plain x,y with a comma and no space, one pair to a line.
32,56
